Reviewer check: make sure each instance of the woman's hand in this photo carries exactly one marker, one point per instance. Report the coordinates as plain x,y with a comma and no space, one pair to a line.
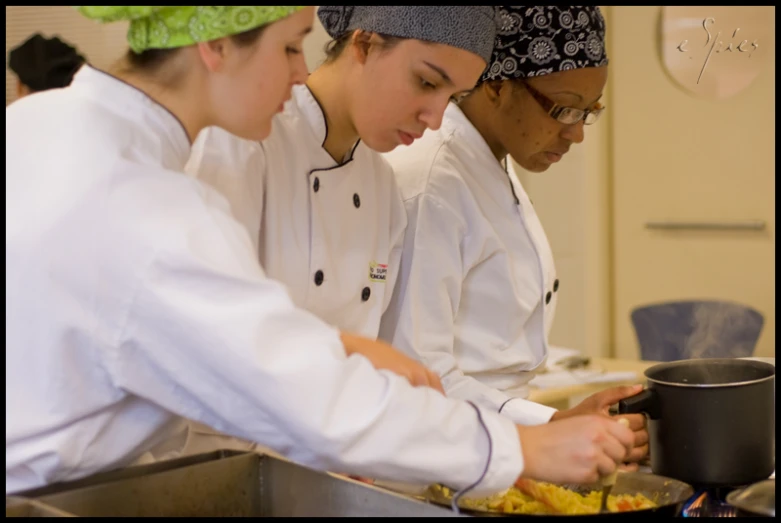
368,481
580,449
383,356
599,404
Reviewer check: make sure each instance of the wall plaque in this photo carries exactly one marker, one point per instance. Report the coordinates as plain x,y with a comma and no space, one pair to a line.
716,51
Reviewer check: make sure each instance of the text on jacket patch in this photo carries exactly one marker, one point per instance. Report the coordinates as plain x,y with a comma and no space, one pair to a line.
378,271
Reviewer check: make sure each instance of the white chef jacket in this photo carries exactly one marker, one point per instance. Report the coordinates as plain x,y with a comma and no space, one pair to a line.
328,230
477,290
134,299
331,232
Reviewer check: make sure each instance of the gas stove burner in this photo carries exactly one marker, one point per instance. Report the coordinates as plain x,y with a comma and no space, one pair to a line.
709,503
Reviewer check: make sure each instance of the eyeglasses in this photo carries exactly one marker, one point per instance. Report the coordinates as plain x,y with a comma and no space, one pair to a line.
565,115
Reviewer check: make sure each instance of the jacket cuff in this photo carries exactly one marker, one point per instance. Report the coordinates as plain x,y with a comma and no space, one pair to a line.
504,459
525,412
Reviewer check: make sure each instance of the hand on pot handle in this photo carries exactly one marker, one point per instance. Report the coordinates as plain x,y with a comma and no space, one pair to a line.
600,403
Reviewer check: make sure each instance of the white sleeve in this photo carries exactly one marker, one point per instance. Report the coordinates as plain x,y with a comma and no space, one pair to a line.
525,412
210,338
421,318
236,168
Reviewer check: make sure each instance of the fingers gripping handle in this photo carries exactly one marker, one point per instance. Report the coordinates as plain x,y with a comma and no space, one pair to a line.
610,479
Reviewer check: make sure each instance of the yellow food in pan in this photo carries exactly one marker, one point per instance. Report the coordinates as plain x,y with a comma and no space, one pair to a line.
513,501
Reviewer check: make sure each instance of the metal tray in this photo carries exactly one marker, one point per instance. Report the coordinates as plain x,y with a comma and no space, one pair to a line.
29,508
227,483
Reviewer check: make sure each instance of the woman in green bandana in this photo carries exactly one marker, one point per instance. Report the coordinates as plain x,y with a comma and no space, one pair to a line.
138,299
247,90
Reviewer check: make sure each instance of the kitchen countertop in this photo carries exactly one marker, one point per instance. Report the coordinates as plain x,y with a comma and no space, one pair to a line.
559,397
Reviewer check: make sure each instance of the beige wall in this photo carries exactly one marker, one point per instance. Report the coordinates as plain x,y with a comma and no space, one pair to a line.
314,45
678,157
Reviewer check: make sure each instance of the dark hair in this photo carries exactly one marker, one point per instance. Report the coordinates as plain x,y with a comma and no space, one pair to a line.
335,47
44,63
151,61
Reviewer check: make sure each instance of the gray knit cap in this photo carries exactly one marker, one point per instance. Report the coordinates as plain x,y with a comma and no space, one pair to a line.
469,27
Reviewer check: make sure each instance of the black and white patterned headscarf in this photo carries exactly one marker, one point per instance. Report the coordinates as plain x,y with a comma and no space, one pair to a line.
469,27
536,40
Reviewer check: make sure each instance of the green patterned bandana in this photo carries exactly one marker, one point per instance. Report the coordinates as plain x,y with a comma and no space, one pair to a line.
167,27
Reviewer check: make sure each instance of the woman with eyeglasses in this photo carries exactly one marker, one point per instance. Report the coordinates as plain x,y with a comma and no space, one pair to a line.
478,286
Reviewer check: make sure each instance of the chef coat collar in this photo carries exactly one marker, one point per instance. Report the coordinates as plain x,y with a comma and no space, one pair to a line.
121,97
315,116
455,123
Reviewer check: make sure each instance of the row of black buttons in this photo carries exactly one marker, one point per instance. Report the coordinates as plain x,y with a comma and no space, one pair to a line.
550,294
319,276
356,198
365,293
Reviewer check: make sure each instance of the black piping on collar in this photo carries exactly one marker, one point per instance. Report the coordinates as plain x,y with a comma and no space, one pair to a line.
512,187
325,122
339,165
147,96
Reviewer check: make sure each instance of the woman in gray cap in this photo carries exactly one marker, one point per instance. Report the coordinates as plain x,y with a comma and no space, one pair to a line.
316,196
478,289
323,206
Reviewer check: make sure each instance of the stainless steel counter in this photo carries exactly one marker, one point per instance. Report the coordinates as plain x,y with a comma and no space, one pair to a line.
29,508
225,484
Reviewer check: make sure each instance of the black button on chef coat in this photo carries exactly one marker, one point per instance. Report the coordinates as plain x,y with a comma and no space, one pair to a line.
319,278
316,185
556,286
366,293
548,297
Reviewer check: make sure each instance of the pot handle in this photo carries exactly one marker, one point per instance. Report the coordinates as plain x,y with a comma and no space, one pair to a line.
645,401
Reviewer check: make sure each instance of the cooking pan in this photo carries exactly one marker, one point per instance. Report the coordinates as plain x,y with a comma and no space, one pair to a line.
670,495
757,500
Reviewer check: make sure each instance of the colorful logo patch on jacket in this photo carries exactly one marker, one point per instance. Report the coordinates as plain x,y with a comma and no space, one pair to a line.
378,272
